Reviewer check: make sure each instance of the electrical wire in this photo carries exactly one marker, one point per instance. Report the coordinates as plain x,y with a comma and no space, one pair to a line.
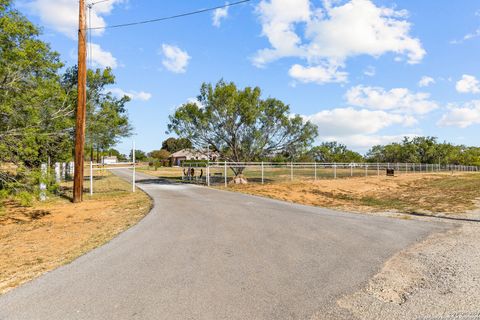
168,18
97,2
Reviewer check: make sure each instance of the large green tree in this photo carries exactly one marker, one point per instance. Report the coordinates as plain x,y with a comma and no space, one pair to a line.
240,124
107,116
173,145
35,115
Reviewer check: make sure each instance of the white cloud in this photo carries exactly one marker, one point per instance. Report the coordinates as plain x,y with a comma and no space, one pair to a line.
426,81
318,74
175,59
278,18
334,33
62,15
358,128
363,142
350,121
370,71
102,58
218,15
462,116
134,95
468,84
397,100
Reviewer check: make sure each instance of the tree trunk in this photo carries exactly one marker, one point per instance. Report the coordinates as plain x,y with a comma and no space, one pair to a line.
239,177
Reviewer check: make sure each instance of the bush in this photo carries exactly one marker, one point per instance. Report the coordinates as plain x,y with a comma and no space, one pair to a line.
24,198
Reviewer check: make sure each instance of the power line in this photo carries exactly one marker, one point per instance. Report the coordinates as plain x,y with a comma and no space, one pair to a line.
97,2
168,18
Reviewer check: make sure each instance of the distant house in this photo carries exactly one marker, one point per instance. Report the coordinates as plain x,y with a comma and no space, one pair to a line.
191,154
109,160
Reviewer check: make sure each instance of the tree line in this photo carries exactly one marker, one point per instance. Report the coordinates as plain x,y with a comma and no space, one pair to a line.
38,96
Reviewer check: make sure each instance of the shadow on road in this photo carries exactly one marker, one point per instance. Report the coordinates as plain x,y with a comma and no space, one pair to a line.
160,181
441,217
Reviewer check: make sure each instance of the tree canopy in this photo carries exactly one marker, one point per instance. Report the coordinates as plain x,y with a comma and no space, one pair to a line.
424,150
37,103
240,124
173,145
107,117
334,152
36,117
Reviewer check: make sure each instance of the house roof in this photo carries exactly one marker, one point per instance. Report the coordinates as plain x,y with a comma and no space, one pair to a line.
185,153
190,153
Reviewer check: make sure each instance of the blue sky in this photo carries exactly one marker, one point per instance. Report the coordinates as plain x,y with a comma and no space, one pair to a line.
365,71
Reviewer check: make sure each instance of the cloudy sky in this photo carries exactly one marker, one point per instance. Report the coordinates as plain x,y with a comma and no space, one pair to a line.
365,71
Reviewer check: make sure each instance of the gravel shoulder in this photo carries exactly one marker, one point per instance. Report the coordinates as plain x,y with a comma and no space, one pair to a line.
436,278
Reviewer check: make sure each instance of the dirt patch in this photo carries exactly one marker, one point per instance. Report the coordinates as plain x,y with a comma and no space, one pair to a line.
438,277
409,193
38,239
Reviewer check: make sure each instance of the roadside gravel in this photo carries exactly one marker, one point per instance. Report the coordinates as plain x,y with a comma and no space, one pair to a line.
436,278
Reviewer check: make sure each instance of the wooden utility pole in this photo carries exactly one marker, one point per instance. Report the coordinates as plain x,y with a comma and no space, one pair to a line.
81,105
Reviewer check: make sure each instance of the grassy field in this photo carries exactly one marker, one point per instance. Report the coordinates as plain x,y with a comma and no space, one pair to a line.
443,193
36,239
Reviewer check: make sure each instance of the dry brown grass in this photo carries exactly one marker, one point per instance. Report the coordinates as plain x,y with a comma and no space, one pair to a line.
422,193
163,172
34,240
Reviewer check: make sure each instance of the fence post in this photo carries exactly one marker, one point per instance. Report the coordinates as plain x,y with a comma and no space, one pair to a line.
366,170
225,171
315,166
58,175
378,169
262,173
335,171
208,174
91,178
43,184
133,160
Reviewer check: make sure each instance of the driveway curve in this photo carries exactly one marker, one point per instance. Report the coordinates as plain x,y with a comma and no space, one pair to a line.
209,254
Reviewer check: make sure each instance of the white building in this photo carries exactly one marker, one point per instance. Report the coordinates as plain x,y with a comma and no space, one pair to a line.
109,160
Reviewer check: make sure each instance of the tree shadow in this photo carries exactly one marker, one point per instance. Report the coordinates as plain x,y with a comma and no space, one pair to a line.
418,214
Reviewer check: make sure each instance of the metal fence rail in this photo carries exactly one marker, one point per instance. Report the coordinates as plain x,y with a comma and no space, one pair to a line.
264,172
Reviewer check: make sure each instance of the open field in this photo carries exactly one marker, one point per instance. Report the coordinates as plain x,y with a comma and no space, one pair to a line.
40,238
442,193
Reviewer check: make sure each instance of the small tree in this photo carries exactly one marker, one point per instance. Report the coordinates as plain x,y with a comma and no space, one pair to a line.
240,124
139,155
159,154
159,157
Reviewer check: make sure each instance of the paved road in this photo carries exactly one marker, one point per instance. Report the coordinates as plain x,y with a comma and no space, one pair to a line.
207,254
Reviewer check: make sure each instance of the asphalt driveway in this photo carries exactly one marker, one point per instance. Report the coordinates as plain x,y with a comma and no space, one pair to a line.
209,254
